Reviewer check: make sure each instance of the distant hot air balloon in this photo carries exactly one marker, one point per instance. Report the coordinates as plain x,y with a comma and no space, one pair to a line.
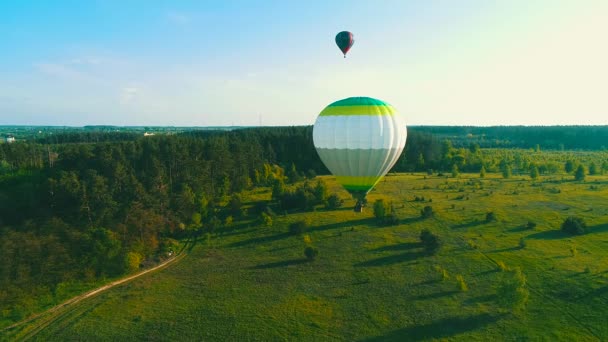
345,41
359,139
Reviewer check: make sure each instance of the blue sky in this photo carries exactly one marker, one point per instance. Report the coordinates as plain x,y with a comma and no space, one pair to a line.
468,62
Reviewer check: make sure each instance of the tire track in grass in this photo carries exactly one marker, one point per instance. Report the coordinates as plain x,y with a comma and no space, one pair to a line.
539,293
61,320
62,310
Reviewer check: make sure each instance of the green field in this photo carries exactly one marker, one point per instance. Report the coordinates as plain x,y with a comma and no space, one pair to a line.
374,282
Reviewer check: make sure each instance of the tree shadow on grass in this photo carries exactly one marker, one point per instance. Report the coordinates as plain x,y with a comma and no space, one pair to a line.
482,299
469,224
595,293
436,295
518,229
344,224
549,235
343,208
411,220
601,228
233,232
427,282
398,247
283,263
506,249
558,234
442,328
261,239
392,259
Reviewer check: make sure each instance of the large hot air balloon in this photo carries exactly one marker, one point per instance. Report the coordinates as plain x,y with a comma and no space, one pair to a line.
345,41
359,139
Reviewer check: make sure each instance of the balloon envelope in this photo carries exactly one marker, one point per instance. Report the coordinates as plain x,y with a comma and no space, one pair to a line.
359,139
345,41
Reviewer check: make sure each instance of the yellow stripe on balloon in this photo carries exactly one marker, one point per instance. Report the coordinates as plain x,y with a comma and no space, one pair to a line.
358,110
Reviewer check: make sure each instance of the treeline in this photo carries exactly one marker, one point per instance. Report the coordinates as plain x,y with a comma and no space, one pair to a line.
87,137
548,137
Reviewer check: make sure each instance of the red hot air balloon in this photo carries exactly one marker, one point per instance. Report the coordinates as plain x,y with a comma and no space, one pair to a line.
345,41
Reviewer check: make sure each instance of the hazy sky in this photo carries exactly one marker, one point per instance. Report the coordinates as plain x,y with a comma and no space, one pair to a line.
451,62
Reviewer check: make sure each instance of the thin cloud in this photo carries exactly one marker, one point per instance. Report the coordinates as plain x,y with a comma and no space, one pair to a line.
86,61
128,94
59,70
179,18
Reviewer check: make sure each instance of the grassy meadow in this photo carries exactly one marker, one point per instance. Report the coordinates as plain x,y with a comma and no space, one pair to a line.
372,282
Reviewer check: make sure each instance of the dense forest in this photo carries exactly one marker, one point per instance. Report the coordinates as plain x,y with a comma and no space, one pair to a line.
90,204
548,137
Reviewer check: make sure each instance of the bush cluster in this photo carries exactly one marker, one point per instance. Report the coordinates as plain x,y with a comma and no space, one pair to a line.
311,252
298,227
430,241
426,212
574,225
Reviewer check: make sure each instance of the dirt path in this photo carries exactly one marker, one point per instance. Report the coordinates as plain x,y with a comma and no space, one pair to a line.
57,311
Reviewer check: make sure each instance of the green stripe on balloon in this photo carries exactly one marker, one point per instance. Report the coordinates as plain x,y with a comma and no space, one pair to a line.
359,101
350,187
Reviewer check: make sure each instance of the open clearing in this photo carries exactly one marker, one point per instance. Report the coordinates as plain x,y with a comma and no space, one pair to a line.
373,282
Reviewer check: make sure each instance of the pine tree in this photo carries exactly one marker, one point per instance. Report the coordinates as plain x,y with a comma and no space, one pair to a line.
455,171
580,173
534,172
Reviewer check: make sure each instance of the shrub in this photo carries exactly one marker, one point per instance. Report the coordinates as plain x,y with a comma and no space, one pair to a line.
502,266
333,202
235,205
380,209
442,272
455,171
506,172
214,224
261,207
462,285
320,191
534,172
512,291
228,221
531,225
573,251
311,252
278,190
580,173
132,261
266,219
310,174
574,225
426,212
430,241
298,227
593,169
490,216
391,219
472,244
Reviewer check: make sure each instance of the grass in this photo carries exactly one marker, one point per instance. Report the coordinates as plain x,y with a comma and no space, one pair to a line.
376,283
